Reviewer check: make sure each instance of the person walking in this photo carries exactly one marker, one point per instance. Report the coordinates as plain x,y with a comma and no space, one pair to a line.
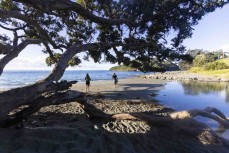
87,79
115,77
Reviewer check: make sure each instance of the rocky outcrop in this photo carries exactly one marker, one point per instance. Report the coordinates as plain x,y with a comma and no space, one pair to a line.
183,75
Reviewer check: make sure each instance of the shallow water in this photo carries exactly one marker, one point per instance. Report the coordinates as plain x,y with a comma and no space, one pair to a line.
197,95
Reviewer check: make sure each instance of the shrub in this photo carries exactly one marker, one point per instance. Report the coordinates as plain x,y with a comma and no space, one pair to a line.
215,66
195,69
203,59
199,60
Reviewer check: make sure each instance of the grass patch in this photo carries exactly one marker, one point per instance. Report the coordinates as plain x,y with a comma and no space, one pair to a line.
225,60
224,73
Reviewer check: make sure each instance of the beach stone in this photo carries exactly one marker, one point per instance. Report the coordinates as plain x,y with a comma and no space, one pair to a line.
195,78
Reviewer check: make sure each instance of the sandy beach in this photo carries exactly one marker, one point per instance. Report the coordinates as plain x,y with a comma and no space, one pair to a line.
132,88
67,128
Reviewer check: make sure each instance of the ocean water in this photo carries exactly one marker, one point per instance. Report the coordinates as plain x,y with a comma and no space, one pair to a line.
12,79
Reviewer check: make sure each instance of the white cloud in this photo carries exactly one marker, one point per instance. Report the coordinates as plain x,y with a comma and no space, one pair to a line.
27,63
38,63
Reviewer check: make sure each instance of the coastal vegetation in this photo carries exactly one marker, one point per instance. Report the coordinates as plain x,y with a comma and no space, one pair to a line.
218,68
208,63
154,66
123,68
106,31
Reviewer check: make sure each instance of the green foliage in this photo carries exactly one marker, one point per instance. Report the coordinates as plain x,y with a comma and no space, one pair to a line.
225,60
8,5
138,25
202,59
196,87
123,68
153,66
219,68
56,57
147,66
195,69
207,61
183,65
50,61
195,52
199,60
215,66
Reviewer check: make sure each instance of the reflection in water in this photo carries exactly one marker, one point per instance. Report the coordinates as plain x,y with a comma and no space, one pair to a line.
197,95
227,94
198,88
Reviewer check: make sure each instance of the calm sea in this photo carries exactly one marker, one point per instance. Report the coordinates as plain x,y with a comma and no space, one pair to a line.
12,79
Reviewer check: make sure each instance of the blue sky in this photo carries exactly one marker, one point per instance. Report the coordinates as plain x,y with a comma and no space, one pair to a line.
212,33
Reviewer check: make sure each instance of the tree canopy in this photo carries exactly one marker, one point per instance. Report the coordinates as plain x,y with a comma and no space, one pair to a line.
111,31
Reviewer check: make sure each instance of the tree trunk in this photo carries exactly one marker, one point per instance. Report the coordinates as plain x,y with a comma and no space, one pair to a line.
15,52
55,99
14,98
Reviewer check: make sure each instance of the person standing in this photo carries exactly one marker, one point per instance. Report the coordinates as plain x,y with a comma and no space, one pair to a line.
114,76
87,79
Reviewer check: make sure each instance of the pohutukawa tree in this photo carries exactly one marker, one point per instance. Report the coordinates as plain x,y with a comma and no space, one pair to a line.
115,31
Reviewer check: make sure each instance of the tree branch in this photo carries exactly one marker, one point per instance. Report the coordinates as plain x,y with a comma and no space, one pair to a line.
49,51
60,67
14,14
15,52
5,48
21,95
61,5
219,117
13,29
15,40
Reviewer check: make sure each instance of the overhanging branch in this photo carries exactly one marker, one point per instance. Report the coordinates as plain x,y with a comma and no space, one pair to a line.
69,5
15,52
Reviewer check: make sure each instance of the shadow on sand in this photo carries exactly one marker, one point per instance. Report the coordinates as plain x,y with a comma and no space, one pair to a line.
133,91
59,130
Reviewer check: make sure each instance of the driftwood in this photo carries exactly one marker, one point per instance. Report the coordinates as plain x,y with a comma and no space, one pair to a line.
207,112
95,113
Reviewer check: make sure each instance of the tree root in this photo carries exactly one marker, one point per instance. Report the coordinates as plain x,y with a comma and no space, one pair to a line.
95,113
